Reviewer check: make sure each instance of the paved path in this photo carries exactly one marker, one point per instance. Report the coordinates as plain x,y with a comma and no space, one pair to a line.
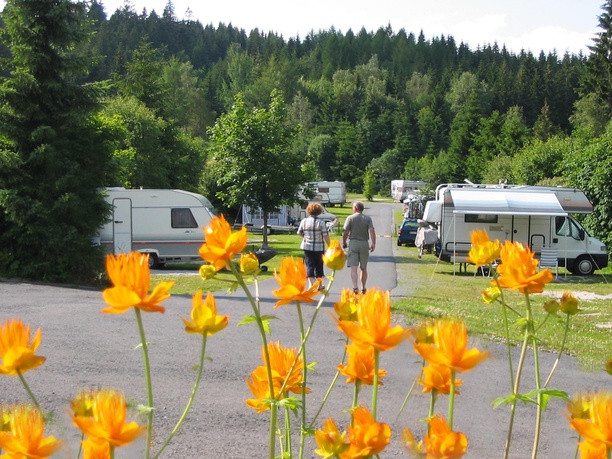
86,349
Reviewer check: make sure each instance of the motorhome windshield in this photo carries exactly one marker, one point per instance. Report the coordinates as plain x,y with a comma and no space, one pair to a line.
569,228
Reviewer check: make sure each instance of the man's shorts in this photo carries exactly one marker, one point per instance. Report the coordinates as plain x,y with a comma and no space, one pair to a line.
358,253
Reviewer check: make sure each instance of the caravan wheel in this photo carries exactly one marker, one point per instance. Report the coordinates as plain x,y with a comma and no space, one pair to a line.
583,266
153,261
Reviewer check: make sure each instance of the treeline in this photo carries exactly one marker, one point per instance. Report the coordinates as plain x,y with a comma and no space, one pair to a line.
396,102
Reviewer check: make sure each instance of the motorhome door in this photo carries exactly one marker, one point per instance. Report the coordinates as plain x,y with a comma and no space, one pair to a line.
122,225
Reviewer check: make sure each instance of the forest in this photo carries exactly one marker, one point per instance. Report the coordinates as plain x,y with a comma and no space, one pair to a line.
139,99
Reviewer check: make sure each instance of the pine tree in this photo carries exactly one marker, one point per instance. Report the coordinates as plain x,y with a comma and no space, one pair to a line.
52,156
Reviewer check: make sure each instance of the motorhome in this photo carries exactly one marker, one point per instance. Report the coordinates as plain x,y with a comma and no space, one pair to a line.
330,193
166,224
401,189
533,215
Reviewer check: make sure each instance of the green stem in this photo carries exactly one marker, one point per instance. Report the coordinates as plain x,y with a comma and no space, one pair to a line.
194,390
506,332
414,382
536,364
80,446
272,436
147,368
329,389
451,399
112,452
29,391
432,406
288,442
305,377
375,383
565,333
515,390
356,391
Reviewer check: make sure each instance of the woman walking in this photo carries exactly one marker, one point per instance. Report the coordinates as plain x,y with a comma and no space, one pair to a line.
314,236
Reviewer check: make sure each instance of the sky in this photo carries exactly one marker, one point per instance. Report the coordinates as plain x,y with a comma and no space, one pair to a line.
532,25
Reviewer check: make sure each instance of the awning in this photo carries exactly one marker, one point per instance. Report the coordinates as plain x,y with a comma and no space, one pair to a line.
505,202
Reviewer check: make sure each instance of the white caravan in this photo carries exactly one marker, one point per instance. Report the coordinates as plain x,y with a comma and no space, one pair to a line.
282,218
400,189
533,215
166,224
331,193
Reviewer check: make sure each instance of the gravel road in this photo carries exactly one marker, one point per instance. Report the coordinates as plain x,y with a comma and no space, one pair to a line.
87,349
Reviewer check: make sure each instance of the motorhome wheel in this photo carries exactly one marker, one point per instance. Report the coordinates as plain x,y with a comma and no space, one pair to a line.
584,266
153,261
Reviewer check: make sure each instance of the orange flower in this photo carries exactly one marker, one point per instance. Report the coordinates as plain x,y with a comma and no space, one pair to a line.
367,437
94,450
360,366
204,318
16,350
519,269
221,245
108,421
373,326
590,450
597,429
438,378
334,257
26,437
260,388
292,281
348,305
130,276
330,441
442,442
281,360
483,251
450,347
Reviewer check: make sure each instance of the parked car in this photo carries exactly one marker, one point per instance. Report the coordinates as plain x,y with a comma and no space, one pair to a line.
406,234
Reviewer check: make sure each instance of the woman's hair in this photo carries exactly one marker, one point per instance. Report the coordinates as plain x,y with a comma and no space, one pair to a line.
314,209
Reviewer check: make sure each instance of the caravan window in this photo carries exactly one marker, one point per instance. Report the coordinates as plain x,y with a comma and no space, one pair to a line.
183,218
480,218
567,227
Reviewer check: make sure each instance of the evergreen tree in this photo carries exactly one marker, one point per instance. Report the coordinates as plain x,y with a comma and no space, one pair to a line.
53,158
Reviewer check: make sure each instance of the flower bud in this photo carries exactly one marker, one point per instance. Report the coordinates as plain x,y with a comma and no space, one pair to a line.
334,257
207,271
249,264
491,294
569,303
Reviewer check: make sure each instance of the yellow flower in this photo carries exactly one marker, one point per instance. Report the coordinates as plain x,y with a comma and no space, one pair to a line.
330,441
519,269
373,326
16,349
207,272
334,257
94,450
367,437
593,450
438,378
82,404
424,332
360,366
551,307
348,305
442,442
597,429
6,414
204,318
580,406
108,421
26,437
450,347
490,294
130,276
221,245
249,264
483,251
292,281
414,448
569,304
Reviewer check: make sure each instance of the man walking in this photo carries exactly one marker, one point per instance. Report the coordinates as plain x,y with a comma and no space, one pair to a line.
358,229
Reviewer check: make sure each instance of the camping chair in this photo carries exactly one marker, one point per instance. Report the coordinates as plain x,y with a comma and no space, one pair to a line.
549,258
